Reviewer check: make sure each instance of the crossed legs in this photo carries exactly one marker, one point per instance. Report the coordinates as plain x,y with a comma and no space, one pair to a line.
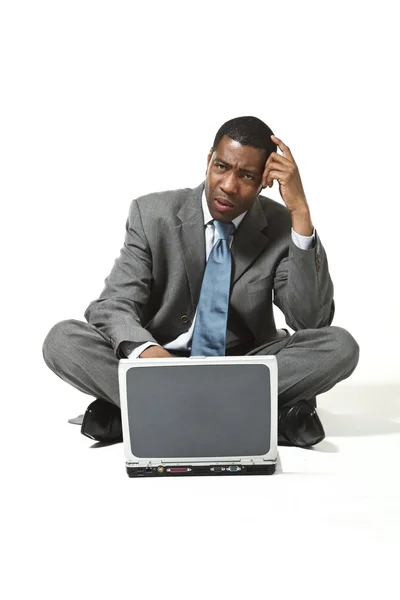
310,362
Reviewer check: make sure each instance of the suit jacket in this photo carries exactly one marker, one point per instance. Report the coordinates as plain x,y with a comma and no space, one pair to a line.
154,286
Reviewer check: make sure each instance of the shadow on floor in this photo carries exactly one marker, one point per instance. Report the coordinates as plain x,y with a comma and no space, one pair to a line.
360,410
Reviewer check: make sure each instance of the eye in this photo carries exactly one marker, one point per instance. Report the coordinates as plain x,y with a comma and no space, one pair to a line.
219,166
249,176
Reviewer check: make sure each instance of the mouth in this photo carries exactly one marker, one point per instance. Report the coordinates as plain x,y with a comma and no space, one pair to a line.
223,202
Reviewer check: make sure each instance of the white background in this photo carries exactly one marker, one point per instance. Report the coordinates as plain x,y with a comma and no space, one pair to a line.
102,102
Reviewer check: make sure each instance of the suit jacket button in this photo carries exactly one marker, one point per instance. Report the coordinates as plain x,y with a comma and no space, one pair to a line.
185,319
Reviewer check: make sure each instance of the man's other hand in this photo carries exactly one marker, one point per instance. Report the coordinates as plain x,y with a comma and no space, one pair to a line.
155,352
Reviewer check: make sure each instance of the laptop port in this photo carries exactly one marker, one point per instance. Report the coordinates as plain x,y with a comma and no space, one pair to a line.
148,469
217,469
233,468
178,470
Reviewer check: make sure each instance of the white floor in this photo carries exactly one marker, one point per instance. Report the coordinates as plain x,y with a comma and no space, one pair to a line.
327,524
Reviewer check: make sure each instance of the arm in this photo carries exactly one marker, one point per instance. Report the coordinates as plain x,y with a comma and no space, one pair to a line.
305,242
147,350
120,310
303,289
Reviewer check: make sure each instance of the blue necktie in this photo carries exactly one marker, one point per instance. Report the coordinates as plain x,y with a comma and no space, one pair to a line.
209,334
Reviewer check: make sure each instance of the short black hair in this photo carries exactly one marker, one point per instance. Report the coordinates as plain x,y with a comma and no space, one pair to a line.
248,131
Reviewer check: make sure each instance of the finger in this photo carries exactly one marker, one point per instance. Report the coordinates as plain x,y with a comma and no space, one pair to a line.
277,166
285,149
267,171
274,156
278,175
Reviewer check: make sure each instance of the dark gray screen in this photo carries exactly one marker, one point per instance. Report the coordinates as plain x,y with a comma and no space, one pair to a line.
199,410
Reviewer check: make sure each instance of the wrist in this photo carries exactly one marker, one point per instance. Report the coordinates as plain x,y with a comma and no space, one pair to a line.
301,222
155,352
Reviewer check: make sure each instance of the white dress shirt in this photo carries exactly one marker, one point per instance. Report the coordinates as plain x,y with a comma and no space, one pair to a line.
183,342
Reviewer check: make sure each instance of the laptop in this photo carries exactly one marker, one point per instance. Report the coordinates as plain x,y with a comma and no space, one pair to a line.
199,415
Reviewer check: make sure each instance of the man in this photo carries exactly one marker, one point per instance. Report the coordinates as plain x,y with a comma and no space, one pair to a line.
197,275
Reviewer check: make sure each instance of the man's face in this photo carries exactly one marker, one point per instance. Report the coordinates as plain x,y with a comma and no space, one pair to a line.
234,178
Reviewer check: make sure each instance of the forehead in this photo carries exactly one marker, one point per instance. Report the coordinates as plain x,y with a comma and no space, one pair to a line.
241,157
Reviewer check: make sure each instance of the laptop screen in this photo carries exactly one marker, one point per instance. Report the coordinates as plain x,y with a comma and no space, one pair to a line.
199,410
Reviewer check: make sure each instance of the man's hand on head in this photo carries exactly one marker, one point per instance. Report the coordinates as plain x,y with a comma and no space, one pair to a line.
155,352
284,170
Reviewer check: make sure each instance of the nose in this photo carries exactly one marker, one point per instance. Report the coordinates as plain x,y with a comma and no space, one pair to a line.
229,184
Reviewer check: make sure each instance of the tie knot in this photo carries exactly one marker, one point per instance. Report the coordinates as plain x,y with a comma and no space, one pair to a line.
224,229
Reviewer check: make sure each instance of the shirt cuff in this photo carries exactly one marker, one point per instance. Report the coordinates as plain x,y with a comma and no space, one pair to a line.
137,351
305,242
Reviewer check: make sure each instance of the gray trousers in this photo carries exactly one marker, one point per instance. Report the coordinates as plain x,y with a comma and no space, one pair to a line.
310,362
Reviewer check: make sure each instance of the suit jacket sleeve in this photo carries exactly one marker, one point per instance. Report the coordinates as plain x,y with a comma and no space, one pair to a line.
118,311
303,288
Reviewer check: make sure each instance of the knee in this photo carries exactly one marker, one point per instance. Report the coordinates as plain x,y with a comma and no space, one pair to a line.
57,341
346,348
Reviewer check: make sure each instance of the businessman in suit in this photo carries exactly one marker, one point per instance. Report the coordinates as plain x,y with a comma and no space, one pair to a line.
197,275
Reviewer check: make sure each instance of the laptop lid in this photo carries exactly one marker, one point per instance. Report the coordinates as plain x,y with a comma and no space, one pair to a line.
201,410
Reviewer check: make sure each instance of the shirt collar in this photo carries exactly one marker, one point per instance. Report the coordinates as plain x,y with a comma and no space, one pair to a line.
207,215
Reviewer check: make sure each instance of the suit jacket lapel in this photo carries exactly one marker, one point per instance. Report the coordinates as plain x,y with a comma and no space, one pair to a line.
249,240
192,239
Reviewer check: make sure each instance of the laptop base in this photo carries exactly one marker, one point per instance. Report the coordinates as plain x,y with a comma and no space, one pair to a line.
190,470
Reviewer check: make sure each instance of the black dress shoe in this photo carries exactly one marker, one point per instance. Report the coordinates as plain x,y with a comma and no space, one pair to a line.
299,425
102,421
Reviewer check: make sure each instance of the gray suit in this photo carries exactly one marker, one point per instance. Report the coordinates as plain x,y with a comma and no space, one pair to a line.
153,289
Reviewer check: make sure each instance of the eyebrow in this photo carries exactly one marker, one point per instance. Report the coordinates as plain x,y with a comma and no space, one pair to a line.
229,165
